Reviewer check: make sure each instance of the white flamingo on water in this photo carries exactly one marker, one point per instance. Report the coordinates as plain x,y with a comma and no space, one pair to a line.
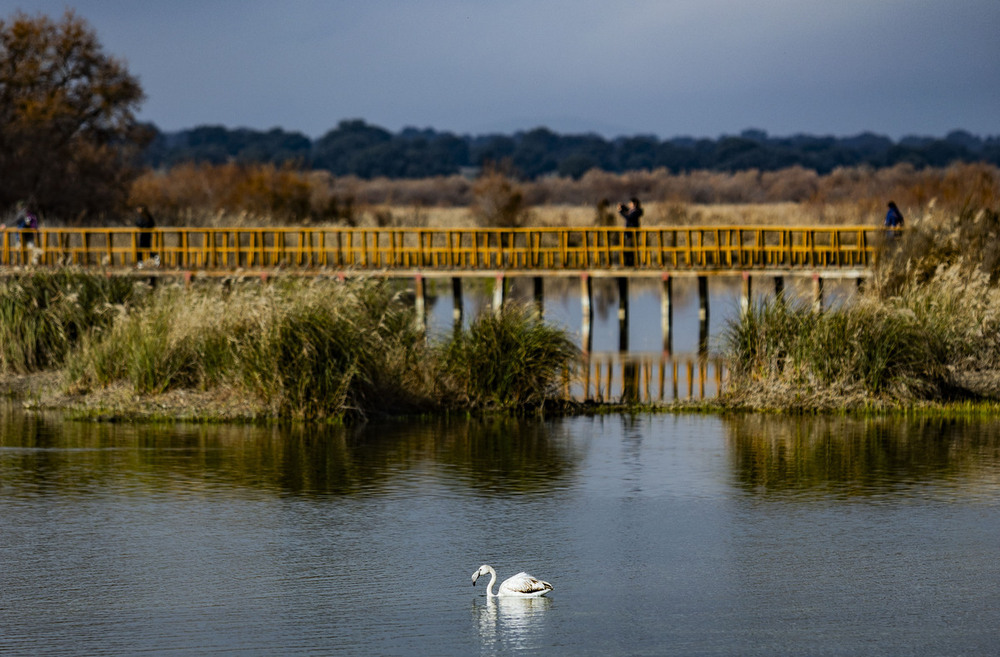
521,585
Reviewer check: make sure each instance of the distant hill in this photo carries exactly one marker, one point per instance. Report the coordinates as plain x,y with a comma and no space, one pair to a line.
355,147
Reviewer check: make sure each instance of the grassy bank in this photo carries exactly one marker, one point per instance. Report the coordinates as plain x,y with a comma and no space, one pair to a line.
320,350
925,330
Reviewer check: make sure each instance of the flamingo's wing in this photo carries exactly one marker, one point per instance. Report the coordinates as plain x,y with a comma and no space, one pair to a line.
525,584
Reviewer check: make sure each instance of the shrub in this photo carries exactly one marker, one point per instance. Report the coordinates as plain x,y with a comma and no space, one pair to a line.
499,201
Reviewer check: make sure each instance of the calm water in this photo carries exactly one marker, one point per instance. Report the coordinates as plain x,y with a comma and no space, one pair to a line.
663,535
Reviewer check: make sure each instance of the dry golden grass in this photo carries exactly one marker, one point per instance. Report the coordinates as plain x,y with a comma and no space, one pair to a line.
264,195
656,214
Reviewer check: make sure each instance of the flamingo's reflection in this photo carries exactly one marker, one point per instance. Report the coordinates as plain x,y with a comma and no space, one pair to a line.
509,622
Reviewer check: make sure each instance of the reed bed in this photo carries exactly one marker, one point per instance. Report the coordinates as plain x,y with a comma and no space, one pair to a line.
321,350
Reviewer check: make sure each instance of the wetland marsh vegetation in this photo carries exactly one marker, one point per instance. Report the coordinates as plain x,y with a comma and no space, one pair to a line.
310,350
924,329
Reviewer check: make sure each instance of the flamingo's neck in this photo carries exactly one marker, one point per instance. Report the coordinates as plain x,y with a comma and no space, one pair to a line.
493,580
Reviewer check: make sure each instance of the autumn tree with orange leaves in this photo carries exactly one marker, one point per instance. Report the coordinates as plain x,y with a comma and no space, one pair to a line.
68,133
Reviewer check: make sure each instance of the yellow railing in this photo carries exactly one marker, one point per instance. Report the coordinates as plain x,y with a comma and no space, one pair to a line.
660,248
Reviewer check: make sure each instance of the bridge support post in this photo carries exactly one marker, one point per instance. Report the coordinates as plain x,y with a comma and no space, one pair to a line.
746,293
458,307
779,288
817,304
539,295
623,314
667,314
499,293
419,304
587,307
702,314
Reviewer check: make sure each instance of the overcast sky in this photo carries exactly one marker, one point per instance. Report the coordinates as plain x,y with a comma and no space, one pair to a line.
699,68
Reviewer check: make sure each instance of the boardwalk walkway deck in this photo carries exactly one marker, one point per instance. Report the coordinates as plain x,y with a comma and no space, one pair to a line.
407,251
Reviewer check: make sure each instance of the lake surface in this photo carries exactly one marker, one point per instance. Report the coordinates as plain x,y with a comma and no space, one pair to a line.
662,534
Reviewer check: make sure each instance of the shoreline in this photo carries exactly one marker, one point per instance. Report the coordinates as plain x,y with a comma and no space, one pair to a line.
44,391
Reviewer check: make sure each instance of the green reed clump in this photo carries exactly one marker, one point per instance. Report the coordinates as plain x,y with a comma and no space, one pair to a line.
505,361
44,315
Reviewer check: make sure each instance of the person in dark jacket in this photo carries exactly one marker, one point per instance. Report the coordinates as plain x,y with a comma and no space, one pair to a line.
27,223
144,221
632,213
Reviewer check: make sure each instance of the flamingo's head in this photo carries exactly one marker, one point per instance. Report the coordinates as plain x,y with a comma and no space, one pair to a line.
483,570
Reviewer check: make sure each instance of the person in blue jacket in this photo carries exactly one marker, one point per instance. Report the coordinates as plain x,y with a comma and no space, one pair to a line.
893,218
26,222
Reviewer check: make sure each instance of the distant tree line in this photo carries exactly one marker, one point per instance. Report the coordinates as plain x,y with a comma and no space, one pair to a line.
360,149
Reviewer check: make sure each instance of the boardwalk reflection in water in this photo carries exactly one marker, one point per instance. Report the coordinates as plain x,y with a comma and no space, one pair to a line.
645,378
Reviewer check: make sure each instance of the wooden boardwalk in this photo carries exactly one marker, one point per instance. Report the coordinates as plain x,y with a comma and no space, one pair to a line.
446,252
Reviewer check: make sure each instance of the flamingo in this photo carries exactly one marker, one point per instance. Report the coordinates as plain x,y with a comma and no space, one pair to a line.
521,585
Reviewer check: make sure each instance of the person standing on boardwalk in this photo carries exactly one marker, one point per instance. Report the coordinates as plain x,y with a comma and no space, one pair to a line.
144,221
893,223
27,221
632,213
893,218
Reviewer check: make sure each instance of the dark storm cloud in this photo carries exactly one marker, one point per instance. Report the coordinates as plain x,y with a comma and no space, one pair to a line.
669,67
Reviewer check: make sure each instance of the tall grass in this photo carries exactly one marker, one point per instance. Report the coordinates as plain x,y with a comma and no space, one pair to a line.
45,315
